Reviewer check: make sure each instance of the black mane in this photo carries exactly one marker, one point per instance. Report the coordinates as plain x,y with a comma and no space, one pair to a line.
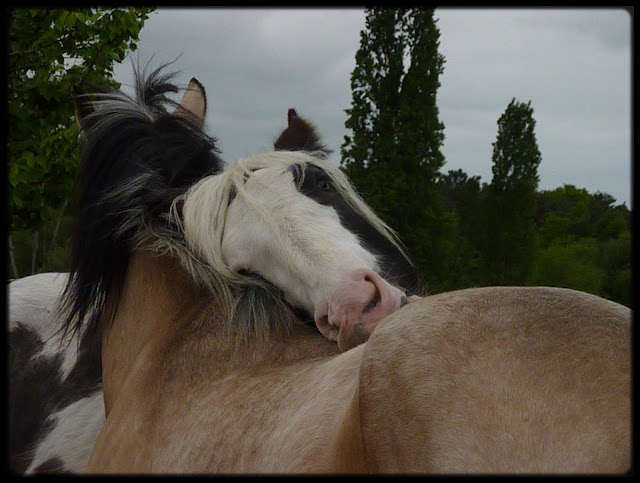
137,158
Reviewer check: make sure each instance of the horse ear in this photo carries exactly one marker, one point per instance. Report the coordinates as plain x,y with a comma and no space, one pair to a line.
292,115
83,107
300,135
194,102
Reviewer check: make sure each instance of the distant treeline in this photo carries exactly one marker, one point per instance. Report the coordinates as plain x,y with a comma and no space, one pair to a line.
581,241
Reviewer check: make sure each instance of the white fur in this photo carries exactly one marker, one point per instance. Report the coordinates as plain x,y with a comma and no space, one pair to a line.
70,441
33,301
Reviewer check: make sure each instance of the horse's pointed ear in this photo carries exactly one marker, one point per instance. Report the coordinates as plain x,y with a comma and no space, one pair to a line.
300,135
291,116
194,102
82,105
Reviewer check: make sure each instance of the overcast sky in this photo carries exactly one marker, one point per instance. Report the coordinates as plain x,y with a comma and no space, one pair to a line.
573,65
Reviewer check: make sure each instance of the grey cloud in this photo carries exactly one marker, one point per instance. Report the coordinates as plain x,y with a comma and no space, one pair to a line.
573,65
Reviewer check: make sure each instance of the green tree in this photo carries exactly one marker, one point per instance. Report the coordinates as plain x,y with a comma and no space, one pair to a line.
393,155
50,51
571,266
584,243
562,215
464,198
512,196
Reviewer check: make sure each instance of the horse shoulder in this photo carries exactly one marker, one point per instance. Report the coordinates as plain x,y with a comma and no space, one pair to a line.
498,379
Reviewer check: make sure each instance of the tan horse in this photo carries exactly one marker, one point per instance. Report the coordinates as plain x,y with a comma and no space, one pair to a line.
492,380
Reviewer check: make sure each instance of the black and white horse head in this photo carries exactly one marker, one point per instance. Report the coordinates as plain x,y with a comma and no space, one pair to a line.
294,219
302,135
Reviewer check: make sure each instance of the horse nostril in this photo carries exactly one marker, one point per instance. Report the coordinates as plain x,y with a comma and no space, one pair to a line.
324,321
240,269
375,300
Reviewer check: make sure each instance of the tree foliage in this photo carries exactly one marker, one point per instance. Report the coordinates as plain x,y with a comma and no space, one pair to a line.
512,195
393,154
464,202
50,51
584,243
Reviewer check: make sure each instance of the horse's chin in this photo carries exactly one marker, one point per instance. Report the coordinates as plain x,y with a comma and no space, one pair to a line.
347,335
350,335
353,335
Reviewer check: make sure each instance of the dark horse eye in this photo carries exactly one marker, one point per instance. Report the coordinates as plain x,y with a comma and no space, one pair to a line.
324,184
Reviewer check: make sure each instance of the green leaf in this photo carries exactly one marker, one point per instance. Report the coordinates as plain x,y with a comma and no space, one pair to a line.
16,199
60,21
14,175
28,158
70,20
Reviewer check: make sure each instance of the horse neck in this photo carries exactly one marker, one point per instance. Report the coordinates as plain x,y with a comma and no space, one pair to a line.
156,292
167,328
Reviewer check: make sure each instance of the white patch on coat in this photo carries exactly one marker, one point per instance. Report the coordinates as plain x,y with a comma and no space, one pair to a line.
33,302
70,442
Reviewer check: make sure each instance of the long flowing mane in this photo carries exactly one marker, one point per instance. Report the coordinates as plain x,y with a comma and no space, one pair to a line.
136,159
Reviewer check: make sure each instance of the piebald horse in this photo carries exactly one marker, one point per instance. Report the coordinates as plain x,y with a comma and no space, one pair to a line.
55,399
207,366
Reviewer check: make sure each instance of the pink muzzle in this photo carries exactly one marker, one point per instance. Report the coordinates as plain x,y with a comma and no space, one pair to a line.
355,306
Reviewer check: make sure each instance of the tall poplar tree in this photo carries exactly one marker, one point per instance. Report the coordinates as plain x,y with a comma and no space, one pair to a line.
393,155
512,196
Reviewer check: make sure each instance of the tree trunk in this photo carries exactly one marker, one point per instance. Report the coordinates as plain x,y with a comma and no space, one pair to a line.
34,252
55,230
12,260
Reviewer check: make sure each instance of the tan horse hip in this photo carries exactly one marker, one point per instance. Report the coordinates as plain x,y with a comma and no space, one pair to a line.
500,379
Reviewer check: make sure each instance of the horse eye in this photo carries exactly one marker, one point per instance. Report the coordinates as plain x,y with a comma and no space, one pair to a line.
323,184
